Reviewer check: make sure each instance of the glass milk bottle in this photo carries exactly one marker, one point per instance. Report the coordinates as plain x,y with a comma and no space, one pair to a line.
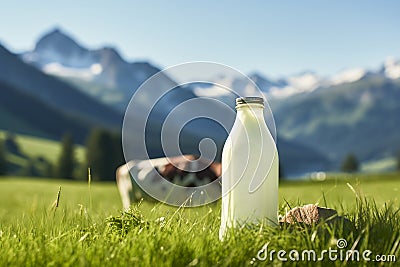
249,169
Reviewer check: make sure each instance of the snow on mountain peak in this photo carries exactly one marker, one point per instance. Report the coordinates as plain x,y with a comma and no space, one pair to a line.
220,88
58,54
348,76
86,74
57,47
96,68
277,92
392,68
305,82
301,83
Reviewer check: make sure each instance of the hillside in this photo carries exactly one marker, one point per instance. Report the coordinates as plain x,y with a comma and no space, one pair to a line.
29,155
359,117
23,113
319,119
101,73
41,147
54,93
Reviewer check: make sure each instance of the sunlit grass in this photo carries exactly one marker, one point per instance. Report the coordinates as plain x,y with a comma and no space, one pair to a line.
152,234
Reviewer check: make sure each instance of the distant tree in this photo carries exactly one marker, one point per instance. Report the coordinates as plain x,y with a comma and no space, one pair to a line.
3,162
48,169
66,161
30,168
12,145
100,153
118,156
350,163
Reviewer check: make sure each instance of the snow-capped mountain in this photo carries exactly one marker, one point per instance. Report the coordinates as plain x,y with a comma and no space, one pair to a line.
304,82
327,114
347,76
56,46
309,81
391,68
102,73
223,84
301,83
43,105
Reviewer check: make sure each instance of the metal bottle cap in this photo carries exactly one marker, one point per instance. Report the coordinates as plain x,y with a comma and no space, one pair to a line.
249,100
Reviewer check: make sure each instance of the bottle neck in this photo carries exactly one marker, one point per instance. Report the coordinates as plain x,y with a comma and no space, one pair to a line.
250,111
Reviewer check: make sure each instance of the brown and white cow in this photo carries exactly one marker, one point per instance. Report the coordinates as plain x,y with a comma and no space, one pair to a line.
181,170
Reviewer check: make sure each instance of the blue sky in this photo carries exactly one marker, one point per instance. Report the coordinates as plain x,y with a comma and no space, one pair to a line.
276,38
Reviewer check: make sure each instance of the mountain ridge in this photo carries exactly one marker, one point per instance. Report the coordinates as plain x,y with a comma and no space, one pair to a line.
310,110
56,94
102,68
39,118
105,67
359,117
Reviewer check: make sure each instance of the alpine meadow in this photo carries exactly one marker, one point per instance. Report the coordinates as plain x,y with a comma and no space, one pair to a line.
200,133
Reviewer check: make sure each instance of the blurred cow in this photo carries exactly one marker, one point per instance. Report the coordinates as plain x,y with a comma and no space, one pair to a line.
180,170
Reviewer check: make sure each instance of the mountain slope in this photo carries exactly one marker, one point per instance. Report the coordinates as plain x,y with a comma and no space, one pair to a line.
297,159
101,73
55,93
327,117
360,117
23,113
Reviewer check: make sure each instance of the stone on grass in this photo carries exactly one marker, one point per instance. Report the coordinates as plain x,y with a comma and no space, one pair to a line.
311,214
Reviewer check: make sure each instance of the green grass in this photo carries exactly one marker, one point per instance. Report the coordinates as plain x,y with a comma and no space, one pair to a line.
78,233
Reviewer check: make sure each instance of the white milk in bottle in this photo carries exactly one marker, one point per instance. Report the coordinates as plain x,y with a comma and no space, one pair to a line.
249,169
